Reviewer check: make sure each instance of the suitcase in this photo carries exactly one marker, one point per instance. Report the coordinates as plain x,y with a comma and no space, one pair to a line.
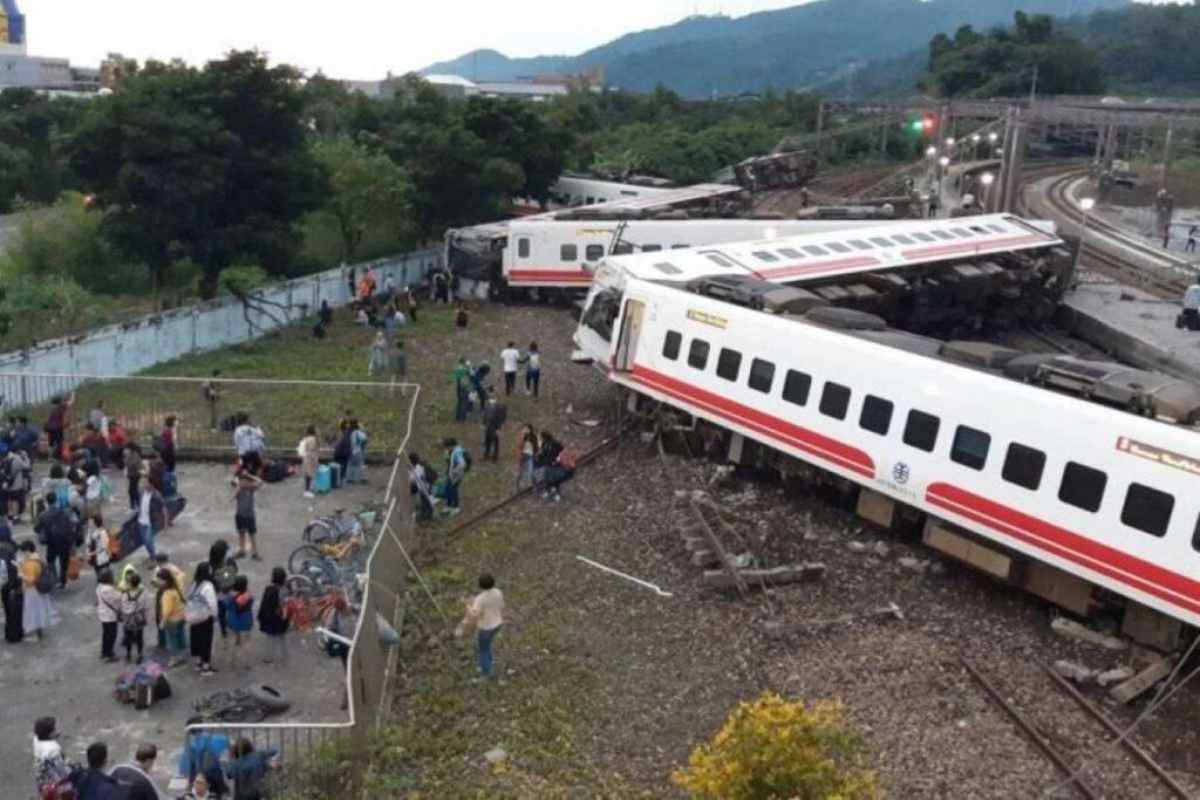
323,483
143,695
335,476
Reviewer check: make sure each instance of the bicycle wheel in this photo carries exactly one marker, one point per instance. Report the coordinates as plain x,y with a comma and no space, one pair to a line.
301,586
303,557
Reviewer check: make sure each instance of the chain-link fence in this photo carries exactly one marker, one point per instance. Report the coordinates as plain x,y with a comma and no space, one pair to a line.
206,409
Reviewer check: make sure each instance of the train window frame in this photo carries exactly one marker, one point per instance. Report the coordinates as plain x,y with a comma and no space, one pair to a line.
861,244
882,241
755,377
996,229
835,400
815,250
568,253
876,415
672,345
619,249
789,252
698,352
523,247
1077,486
838,247
1143,503
943,235
982,231
590,252
923,237
797,386
652,248
1018,463
680,246
763,255
962,233
902,239
591,201
961,453
667,268
729,364
916,430
1196,535
719,260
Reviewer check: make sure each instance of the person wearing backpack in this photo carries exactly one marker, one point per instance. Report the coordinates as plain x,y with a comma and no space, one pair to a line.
108,612
56,527
37,581
22,480
421,484
135,612
200,612
241,616
356,467
273,619
98,553
458,463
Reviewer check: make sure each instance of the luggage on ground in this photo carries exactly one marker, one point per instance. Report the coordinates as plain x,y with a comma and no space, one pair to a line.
323,483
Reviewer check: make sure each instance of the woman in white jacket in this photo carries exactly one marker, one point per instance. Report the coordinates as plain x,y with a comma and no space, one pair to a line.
200,611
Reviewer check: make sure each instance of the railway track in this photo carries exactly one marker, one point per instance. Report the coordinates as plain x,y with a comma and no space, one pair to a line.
1153,271
1077,738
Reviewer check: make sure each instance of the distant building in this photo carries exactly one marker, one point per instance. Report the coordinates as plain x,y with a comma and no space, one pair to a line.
18,69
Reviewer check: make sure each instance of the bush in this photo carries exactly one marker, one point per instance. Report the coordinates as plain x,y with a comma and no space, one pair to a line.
776,749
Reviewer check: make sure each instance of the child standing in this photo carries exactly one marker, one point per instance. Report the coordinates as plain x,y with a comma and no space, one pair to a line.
133,617
246,484
272,617
241,616
171,612
309,451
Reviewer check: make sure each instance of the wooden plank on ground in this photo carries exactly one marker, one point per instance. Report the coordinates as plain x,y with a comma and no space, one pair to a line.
1139,683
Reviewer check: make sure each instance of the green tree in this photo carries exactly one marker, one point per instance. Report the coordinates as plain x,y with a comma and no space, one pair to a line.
367,190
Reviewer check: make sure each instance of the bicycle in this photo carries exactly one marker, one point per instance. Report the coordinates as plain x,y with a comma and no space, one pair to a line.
305,611
335,528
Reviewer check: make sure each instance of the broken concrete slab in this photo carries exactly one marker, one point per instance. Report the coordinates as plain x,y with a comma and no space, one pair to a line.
1073,630
1074,672
1116,675
1141,682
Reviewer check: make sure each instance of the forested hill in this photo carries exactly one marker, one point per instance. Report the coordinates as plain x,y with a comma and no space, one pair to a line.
801,46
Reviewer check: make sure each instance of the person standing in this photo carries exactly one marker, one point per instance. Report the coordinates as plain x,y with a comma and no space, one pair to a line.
485,615
248,769
356,468
245,520
134,615
1190,247
98,554
10,589
527,448
108,612
390,323
49,766
410,305
462,388
457,464
134,469
1190,318
38,613
418,480
494,417
399,367
249,441
212,395
309,451
56,527
200,612
377,357
57,424
96,417
171,615
168,442
134,777
241,617
144,520
272,618
95,783
509,358
461,318
533,370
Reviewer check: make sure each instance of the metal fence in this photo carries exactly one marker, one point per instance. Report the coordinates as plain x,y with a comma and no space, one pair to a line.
128,348
370,667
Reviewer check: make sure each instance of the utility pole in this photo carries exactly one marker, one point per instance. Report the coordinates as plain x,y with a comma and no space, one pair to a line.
1166,156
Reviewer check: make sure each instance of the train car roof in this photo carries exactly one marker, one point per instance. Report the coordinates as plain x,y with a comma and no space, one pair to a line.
830,254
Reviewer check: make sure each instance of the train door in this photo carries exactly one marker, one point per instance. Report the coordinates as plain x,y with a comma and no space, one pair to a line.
631,331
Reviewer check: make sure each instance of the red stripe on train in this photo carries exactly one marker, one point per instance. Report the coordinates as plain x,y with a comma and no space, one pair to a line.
819,267
774,428
574,275
1122,567
971,247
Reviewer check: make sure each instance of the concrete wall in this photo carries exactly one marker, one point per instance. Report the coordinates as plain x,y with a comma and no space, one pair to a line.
129,348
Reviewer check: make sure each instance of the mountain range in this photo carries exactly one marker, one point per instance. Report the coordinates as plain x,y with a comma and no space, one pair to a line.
803,46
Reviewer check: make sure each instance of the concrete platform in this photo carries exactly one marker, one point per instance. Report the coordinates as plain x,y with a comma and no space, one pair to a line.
1132,325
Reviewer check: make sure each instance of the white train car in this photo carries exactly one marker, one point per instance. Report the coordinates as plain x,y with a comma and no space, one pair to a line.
579,190
1045,489
558,254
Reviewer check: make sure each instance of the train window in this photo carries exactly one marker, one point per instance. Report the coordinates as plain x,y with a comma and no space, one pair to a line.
861,245
1196,536
997,229
698,354
923,237
876,415
979,229
970,447
902,239
921,431
1023,466
671,345
594,252
1147,510
762,375
680,246
720,262
651,248
790,253
668,268
763,255
835,400
812,249
522,248
619,249
569,252
591,201
961,232
796,386
837,247
942,235
882,242
1082,487
729,363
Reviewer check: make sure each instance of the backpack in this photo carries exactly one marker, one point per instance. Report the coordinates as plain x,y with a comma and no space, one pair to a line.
45,580
224,577
62,496
195,610
466,456
137,620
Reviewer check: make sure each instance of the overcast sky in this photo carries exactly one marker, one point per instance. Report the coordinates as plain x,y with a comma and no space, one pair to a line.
356,39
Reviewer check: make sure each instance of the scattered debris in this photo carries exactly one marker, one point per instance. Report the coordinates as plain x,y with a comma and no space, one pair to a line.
856,547
882,550
629,578
495,756
1075,672
1073,630
774,628
1111,676
795,573
1139,683
914,564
